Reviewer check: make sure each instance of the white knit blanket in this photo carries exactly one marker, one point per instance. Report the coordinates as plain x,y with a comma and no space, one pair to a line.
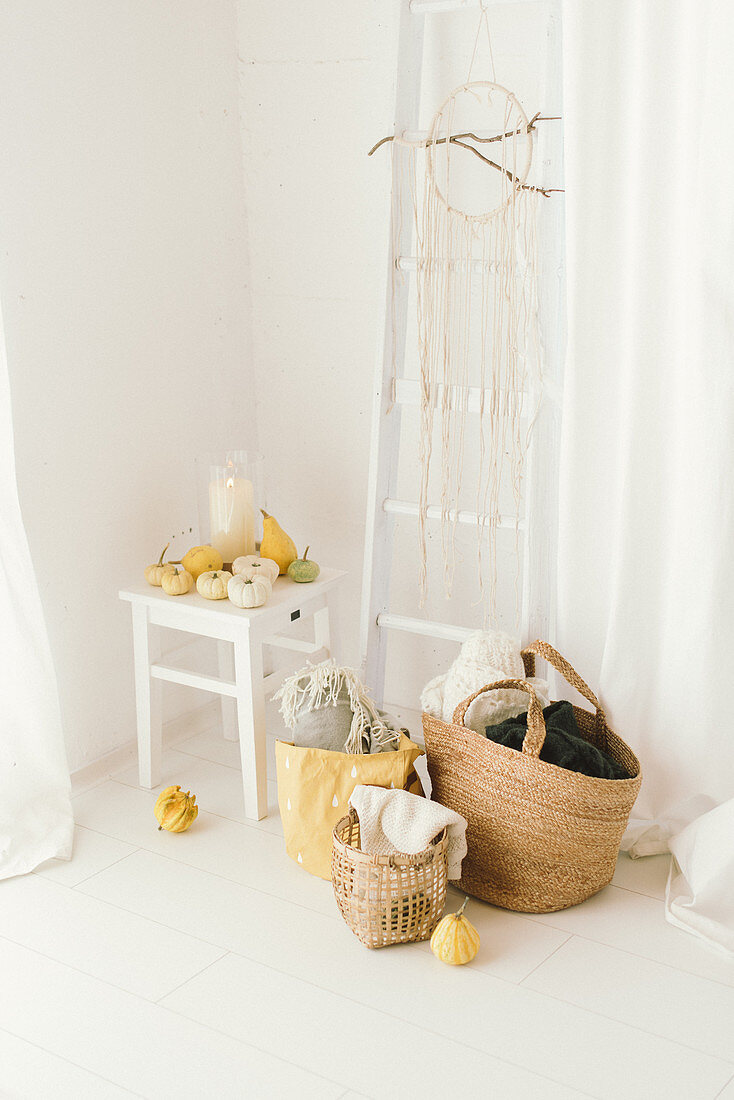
397,821
485,657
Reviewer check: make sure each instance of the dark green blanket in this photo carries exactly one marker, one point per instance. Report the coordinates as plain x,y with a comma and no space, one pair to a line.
564,745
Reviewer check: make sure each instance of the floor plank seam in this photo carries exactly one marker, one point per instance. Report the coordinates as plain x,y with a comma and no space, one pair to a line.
256,825
163,1008
101,870
335,916
70,1062
677,969
225,878
141,916
170,992
252,1046
724,1061
414,1023
545,960
723,1087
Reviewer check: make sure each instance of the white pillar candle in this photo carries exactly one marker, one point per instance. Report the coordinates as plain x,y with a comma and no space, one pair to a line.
232,517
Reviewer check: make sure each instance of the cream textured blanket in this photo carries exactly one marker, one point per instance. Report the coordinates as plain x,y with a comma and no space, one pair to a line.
486,656
397,821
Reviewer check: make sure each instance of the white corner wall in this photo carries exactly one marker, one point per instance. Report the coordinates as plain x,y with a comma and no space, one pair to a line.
316,93
124,287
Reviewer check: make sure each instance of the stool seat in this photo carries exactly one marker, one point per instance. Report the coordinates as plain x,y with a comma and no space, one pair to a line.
242,684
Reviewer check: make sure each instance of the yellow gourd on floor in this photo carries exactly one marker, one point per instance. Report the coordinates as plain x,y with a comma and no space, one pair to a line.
202,559
455,940
276,544
174,810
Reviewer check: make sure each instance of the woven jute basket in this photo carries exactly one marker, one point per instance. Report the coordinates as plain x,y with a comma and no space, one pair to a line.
388,899
539,837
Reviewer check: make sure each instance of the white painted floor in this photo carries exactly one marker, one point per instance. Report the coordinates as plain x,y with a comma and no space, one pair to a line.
207,964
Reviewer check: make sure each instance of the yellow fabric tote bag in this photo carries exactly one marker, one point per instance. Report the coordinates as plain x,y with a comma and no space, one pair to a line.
314,786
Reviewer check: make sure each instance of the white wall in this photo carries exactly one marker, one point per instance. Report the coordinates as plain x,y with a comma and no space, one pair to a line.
317,93
123,282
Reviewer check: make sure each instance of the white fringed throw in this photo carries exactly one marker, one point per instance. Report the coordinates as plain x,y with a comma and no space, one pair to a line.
318,686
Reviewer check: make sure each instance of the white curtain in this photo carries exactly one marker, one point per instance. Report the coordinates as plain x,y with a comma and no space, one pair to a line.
646,551
35,809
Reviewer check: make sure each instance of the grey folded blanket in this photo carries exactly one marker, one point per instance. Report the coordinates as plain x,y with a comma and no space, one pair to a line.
326,706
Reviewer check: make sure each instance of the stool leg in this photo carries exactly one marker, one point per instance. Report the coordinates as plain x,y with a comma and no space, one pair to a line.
228,704
248,663
328,627
146,648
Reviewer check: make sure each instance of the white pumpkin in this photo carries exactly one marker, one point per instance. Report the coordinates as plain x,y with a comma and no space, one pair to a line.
249,592
251,566
213,585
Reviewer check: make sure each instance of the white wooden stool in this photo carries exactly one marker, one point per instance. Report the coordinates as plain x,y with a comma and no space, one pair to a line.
242,684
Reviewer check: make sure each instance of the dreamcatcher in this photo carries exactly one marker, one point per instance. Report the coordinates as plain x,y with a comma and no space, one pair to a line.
475,224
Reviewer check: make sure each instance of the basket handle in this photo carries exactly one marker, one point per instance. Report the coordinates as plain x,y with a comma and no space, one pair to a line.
560,664
535,737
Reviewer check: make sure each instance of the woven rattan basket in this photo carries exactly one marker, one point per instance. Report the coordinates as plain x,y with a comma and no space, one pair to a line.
539,837
388,899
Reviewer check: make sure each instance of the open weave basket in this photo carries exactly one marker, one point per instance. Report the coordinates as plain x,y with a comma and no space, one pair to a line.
388,899
539,837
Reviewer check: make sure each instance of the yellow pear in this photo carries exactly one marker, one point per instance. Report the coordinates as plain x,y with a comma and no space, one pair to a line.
276,545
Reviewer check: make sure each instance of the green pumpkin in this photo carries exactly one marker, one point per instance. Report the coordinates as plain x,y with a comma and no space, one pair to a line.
303,570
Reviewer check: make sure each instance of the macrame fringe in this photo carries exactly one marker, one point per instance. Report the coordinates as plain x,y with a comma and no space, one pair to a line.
318,686
492,257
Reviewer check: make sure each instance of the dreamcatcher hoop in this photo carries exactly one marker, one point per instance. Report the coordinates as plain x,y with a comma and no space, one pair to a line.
435,136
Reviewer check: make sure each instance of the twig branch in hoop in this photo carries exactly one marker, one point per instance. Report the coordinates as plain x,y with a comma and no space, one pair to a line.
461,141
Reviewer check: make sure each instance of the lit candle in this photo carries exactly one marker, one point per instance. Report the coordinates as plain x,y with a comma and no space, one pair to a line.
232,517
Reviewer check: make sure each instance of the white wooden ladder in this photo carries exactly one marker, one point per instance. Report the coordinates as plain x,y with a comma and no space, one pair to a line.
538,524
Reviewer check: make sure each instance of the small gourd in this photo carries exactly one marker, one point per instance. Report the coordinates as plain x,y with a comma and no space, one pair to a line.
276,544
202,559
251,566
213,585
174,810
154,573
455,940
176,583
247,593
303,570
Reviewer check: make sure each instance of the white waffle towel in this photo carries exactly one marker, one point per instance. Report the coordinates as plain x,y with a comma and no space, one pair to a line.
397,821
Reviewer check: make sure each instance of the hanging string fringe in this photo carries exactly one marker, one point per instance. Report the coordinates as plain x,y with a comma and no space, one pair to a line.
492,258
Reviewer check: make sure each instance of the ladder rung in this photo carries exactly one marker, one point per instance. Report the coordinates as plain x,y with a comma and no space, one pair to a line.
408,392
410,263
425,7
424,626
408,508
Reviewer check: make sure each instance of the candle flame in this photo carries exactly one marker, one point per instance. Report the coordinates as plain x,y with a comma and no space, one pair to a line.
230,483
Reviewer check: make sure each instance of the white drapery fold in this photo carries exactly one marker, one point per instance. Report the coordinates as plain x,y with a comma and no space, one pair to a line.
35,809
646,542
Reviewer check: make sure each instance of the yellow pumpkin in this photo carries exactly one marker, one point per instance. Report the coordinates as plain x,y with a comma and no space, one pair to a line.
154,573
202,559
455,940
213,585
176,583
175,810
